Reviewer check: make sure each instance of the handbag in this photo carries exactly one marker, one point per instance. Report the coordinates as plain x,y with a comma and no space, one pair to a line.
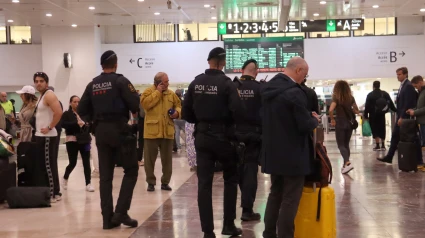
352,119
33,119
84,137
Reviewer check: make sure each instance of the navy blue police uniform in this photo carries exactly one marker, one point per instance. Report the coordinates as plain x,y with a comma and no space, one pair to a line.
248,134
107,100
212,103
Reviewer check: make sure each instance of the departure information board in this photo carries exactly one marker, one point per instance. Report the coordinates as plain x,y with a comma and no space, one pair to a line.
271,53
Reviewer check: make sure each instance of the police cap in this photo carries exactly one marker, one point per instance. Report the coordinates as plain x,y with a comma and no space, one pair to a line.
217,52
105,56
248,62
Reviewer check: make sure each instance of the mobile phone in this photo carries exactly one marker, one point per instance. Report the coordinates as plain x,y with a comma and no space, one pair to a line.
320,116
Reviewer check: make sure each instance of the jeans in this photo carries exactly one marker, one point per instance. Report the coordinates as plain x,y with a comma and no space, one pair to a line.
179,126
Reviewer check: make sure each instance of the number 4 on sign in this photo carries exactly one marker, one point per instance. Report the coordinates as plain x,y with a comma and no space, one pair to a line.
265,28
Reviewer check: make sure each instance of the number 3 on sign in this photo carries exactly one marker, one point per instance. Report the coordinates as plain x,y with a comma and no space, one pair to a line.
264,27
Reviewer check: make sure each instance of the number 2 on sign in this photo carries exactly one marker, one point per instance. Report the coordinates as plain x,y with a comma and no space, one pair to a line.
246,30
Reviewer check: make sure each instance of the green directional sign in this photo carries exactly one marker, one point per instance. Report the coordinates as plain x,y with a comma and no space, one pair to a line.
330,25
221,26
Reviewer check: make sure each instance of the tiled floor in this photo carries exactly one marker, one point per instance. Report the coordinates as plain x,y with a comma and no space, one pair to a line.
375,200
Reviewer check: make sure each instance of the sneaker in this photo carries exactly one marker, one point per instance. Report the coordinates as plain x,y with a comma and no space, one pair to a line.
383,148
347,168
64,184
89,188
53,200
377,148
58,197
95,174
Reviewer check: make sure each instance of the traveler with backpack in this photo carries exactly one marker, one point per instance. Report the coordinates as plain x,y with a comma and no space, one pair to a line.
378,103
346,108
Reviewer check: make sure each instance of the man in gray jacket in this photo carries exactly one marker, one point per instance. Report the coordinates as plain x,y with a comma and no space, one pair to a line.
419,112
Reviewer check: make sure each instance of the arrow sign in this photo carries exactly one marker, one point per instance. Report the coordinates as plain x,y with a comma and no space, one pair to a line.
222,28
402,54
132,61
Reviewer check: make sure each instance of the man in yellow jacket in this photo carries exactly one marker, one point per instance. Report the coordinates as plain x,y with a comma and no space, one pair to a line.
161,106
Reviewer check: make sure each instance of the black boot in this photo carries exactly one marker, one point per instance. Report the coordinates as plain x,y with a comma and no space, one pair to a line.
209,235
230,229
124,219
250,216
108,224
386,159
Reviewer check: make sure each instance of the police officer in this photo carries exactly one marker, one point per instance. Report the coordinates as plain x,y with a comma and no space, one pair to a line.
107,100
212,103
248,134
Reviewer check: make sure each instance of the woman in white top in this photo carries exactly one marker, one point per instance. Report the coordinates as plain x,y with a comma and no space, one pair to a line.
29,99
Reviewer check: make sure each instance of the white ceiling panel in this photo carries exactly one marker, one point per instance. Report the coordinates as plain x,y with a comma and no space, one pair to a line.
128,12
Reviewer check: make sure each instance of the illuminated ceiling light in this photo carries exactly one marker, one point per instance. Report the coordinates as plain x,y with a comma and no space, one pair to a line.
91,8
141,0
15,1
422,10
213,8
214,18
323,2
49,15
74,25
207,5
157,13
375,6
316,14
10,21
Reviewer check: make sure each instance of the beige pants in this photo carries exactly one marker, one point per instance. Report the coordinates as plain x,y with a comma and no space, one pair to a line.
151,153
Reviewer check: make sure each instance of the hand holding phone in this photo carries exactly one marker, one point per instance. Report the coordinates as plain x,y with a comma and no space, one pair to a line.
160,87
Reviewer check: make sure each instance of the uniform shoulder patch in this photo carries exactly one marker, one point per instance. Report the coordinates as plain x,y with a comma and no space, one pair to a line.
131,87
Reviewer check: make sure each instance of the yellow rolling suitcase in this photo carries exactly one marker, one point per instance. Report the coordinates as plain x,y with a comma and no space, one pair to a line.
316,218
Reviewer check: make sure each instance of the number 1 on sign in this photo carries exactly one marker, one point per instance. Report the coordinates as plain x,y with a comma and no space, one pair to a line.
236,28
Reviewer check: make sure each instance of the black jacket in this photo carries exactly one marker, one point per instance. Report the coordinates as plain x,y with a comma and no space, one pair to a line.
371,98
70,123
287,125
312,101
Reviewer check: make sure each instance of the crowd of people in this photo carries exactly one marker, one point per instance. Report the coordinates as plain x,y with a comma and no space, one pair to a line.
240,124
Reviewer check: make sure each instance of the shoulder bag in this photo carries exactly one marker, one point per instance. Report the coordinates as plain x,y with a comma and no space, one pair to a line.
351,118
32,120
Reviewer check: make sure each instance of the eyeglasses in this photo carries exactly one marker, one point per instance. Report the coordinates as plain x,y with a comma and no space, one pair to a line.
42,75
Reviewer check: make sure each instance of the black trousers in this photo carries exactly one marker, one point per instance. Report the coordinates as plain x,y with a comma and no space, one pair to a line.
140,139
114,140
208,151
282,206
248,171
46,166
378,127
72,148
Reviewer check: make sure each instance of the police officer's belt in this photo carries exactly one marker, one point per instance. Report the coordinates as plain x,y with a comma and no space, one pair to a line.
248,128
204,126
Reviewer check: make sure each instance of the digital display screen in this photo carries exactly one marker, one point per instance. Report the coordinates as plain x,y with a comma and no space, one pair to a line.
330,25
271,53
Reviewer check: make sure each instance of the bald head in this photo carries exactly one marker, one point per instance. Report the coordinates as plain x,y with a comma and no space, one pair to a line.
3,97
297,68
251,69
161,78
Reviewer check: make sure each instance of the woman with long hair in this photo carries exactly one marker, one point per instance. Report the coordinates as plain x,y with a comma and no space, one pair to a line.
78,139
29,100
345,106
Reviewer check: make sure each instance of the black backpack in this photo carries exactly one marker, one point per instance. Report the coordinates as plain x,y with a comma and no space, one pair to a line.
381,105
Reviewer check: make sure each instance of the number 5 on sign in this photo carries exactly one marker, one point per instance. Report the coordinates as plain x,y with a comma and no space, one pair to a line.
274,27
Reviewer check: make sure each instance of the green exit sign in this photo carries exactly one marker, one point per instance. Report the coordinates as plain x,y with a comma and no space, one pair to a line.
330,25
221,26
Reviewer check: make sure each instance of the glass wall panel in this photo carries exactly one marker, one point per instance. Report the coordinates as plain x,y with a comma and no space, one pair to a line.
20,35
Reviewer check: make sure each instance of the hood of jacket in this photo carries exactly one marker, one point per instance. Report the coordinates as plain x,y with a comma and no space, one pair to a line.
276,86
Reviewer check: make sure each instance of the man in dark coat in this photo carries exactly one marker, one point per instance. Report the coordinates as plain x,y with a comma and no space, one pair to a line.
312,100
287,125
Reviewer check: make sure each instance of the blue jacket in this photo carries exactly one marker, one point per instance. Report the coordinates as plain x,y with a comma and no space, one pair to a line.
287,125
406,99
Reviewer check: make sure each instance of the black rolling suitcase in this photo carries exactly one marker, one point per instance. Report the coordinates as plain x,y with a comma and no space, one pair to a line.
407,157
7,177
26,152
409,130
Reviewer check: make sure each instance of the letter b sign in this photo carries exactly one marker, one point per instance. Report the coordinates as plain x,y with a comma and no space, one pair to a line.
393,57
